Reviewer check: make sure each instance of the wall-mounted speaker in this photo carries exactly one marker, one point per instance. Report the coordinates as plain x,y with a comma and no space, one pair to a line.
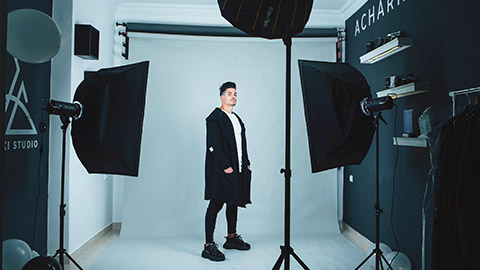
87,40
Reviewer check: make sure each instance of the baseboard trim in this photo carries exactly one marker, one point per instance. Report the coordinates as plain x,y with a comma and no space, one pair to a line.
90,242
117,226
355,237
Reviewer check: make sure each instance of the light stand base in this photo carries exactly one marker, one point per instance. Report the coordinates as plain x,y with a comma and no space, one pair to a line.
286,252
378,260
63,252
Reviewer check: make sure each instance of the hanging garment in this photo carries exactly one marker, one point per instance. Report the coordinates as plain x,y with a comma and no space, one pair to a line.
468,186
455,163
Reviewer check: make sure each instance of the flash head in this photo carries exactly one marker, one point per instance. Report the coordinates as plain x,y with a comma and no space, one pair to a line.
370,106
68,109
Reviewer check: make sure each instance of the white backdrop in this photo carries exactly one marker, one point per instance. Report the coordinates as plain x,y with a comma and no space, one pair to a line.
185,73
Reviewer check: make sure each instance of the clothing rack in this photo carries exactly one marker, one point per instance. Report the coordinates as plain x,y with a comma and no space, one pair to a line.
453,94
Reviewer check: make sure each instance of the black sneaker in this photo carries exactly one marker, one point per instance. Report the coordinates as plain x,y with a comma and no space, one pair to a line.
211,252
236,243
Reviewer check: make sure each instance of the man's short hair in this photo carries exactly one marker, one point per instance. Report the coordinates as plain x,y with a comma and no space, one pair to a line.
227,85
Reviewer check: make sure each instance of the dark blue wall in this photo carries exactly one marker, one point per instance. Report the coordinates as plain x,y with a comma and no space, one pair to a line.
25,174
445,53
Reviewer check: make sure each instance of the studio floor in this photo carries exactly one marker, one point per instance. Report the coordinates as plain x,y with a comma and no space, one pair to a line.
329,251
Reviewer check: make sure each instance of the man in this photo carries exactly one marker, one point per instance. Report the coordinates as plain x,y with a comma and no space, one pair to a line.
227,172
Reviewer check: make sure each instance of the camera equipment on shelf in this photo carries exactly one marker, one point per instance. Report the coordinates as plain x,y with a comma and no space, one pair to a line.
391,82
371,45
395,81
394,35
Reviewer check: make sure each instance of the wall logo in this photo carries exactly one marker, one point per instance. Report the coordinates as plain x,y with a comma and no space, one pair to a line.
17,102
375,14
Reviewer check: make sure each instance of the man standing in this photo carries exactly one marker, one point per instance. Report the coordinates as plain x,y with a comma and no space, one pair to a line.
227,172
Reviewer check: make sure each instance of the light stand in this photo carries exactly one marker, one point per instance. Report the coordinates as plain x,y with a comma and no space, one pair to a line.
62,251
377,251
287,250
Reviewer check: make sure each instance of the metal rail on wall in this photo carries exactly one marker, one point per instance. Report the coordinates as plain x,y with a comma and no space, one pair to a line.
200,30
453,94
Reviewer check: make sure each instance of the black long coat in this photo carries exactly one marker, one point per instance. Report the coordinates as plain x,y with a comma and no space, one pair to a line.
233,188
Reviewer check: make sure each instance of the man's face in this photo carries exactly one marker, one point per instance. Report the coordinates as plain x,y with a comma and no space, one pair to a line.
229,97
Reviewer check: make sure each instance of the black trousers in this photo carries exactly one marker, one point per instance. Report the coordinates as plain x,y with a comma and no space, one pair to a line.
211,218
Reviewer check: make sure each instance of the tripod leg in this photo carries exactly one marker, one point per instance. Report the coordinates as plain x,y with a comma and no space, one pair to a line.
364,261
389,267
62,260
279,262
72,260
378,262
300,261
60,252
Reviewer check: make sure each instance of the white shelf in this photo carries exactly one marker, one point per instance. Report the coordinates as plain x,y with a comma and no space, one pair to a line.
405,141
390,48
405,90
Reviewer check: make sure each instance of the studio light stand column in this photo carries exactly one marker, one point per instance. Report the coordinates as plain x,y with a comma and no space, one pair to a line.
61,252
378,211
287,250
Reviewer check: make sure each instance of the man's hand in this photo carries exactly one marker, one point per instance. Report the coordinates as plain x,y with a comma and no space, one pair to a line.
229,170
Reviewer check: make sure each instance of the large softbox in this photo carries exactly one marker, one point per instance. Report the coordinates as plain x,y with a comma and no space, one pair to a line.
267,18
339,133
107,136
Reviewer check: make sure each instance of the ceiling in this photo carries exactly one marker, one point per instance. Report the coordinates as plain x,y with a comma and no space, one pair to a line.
325,13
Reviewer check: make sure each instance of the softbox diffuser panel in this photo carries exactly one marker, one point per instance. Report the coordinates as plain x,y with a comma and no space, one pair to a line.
339,133
267,18
107,137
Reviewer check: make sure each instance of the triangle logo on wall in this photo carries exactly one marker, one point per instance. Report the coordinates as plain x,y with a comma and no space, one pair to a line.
17,103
